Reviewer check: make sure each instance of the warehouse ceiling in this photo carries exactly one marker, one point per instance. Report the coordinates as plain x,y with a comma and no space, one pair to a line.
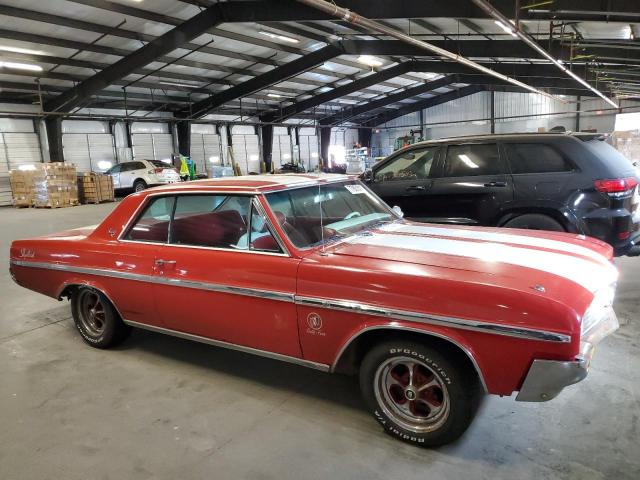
278,60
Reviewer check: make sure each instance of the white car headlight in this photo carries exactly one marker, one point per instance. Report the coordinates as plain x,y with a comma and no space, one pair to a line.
599,310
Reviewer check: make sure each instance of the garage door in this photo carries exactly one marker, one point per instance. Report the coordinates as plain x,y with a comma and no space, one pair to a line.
309,148
16,149
152,146
89,151
246,151
205,151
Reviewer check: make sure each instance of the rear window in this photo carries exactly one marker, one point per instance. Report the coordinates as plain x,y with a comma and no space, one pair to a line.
472,160
158,163
612,158
535,158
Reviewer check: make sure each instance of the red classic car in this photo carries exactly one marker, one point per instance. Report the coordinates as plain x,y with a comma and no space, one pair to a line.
318,271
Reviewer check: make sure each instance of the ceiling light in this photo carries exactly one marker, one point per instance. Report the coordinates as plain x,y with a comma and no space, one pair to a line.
277,36
253,157
21,66
6,48
274,95
508,29
178,84
630,34
214,159
371,61
104,165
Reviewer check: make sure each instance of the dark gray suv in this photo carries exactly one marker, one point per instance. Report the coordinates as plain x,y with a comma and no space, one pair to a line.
563,182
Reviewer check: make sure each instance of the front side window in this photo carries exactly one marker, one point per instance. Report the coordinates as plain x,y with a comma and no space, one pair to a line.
218,221
113,170
311,215
153,224
535,158
472,160
412,165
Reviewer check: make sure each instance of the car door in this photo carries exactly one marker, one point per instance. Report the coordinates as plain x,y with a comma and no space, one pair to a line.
406,179
472,187
130,172
224,277
114,172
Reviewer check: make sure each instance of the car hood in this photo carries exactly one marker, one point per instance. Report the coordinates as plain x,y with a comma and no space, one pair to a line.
497,252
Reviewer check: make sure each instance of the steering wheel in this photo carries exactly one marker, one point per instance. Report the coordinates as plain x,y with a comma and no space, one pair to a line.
353,215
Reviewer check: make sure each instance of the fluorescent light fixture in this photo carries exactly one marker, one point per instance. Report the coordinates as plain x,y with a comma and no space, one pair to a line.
467,161
277,36
27,167
274,95
178,84
214,159
104,165
370,61
21,66
508,29
314,155
629,33
253,157
286,156
7,48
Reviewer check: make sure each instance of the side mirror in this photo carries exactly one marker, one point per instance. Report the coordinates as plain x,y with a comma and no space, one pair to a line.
367,176
398,211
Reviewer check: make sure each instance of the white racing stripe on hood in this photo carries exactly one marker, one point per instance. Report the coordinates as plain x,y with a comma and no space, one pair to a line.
463,234
583,272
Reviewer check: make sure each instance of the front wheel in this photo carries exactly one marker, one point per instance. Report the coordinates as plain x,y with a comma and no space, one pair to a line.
417,394
96,319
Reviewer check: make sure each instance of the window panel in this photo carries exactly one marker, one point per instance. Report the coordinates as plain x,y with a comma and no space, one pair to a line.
472,160
535,158
414,164
153,224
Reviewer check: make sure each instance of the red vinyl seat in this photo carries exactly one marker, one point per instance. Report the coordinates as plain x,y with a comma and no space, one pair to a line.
213,229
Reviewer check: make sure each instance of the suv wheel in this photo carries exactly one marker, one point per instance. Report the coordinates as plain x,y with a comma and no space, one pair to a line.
417,394
535,221
139,185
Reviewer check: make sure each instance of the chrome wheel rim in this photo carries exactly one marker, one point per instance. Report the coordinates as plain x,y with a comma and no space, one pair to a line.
92,313
412,394
139,187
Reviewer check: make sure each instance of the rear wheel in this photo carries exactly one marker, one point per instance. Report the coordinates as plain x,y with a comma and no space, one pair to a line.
139,185
96,319
535,221
417,394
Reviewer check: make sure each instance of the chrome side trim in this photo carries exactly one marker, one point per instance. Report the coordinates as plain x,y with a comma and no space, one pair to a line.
478,326
417,330
232,346
333,304
249,292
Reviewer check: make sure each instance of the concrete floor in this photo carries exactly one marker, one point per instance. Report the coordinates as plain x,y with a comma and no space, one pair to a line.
165,408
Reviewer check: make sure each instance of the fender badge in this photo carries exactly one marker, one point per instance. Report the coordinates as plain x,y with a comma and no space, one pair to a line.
27,253
314,322
539,288
112,232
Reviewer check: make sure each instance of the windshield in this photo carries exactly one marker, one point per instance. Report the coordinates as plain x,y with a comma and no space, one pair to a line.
327,212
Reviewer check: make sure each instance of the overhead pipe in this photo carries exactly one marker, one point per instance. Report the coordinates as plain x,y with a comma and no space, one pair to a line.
352,17
526,38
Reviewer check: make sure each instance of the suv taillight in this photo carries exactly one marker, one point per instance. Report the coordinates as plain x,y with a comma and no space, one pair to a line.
617,187
156,170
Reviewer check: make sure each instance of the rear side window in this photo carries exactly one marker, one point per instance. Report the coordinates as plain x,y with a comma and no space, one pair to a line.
153,224
535,158
472,160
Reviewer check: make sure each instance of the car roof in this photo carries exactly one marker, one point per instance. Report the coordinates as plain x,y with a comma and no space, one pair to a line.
255,183
513,136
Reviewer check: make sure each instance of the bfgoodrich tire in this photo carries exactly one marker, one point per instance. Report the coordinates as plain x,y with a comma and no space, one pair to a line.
96,319
535,221
418,394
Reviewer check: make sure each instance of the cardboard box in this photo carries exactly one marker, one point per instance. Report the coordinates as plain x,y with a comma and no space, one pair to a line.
95,188
45,186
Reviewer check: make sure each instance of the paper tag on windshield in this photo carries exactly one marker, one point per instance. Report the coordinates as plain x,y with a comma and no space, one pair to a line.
355,189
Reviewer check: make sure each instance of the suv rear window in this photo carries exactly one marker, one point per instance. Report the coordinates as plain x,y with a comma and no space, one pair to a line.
535,158
472,160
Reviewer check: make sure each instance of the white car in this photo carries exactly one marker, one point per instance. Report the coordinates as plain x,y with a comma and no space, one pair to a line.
142,174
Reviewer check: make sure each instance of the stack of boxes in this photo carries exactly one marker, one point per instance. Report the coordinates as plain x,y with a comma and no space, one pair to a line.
48,185
22,187
95,188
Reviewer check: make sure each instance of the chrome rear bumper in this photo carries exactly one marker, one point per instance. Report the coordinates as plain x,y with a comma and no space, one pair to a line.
547,378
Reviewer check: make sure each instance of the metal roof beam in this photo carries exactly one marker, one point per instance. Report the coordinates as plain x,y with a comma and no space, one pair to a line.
162,45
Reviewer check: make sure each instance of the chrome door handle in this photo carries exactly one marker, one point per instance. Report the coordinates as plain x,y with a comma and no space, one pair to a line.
415,188
496,184
161,262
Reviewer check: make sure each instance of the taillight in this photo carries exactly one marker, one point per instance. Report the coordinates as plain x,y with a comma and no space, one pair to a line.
156,170
617,187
